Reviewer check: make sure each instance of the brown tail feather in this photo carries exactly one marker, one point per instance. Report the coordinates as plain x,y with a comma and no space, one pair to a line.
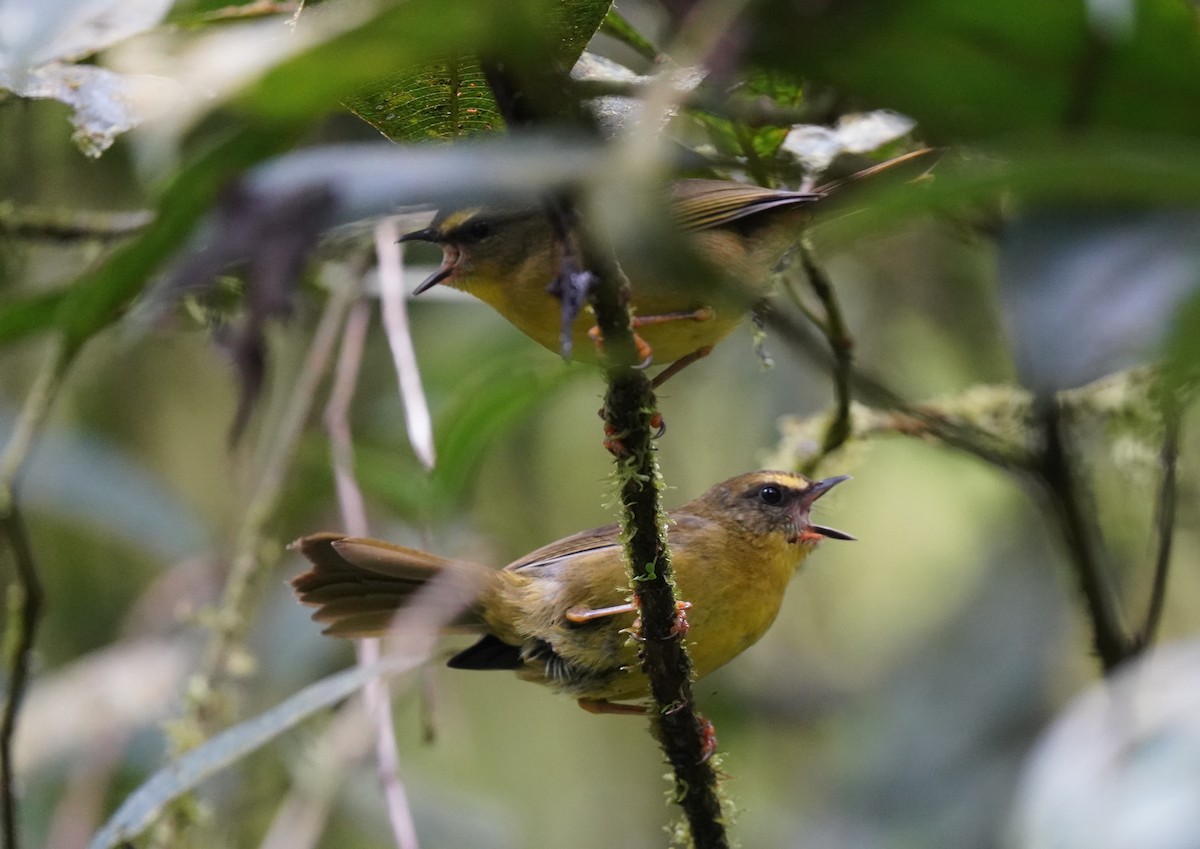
358,584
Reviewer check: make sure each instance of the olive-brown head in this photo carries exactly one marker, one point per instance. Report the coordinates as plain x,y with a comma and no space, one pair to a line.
768,502
481,244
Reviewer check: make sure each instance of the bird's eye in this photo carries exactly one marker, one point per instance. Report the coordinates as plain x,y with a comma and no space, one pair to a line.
477,230
771,494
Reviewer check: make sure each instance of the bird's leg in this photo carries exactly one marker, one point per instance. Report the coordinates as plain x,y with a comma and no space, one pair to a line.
678,628
702,314
708,738
644,351
613,443
580,614
679,365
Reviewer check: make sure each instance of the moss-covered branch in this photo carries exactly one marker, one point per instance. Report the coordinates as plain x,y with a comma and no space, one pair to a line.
629,419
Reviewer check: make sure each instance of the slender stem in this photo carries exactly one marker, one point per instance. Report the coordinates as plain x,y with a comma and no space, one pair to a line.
1164,516
376,695
26,608
1084,543
62,225
337,419
417,419
913,419
27,611
841,347
231,622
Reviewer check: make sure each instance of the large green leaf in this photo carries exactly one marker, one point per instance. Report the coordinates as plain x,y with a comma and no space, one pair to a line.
449,98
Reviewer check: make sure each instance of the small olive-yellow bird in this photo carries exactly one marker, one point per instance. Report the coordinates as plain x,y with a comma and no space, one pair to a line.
561,615
508,258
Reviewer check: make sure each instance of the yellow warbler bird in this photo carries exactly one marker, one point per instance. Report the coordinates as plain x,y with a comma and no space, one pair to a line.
561,615
507,258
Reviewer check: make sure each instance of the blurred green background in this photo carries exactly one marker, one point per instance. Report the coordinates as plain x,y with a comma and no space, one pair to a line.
909,673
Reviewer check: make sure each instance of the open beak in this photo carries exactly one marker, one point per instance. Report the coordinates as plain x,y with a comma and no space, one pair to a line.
450,257
433,279
814,492
429,234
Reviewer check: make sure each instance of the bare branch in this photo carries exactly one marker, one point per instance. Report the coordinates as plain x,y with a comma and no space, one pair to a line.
26,610
1076,515
841,347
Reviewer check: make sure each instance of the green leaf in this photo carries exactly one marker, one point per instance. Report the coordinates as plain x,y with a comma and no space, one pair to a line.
756,145
450,98
491,394
32,314
616,26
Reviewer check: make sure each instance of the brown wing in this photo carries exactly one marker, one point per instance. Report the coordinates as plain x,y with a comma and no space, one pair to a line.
358,584
584,542
704,204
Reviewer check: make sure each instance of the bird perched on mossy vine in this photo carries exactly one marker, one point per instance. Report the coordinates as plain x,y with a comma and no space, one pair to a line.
509,257
562,615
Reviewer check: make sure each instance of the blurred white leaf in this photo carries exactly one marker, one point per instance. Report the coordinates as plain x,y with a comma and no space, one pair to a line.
107,694
1086,293
817,146
105,103
33,34
37,40
615,113
1120,767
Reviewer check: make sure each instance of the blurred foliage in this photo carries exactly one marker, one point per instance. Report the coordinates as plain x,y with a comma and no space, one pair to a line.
909,675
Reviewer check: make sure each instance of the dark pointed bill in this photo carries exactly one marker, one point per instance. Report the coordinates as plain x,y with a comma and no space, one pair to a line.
831,533
814,492
433,279
429,234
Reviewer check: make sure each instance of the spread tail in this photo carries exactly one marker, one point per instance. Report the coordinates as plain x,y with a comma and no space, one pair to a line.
357,585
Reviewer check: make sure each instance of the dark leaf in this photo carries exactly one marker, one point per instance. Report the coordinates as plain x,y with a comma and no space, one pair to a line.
964,70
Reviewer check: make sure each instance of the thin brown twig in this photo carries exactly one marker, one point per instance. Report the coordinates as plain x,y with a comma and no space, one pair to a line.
337,418
841,347
923,421
63,225
1055,473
